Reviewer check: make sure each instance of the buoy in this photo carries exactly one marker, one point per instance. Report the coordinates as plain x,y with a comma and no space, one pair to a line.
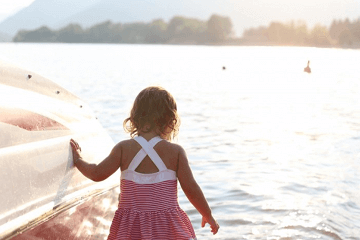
307,69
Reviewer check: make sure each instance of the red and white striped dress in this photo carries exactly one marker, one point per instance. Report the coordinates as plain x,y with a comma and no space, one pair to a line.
148,206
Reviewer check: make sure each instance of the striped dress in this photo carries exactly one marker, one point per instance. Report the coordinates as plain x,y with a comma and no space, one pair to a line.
148,206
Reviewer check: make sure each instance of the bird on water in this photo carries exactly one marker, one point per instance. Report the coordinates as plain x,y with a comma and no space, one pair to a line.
307,69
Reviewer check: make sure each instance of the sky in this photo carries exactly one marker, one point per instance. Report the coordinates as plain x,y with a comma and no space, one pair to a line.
9,7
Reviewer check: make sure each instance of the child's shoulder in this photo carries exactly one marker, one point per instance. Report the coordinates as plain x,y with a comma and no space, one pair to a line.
174,148
128,143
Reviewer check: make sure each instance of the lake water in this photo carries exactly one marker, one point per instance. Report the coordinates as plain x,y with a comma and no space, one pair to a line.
275,150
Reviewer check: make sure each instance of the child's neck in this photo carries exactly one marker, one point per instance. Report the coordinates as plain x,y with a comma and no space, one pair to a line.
149,135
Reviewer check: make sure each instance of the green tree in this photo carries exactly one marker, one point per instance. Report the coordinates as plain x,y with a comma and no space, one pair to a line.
301,33
100,33
282,33
71,33
334,30
156,32
320,36
116,32
186,29
355,30
219,28
274,32
134,32
42,34
345,37
175,27
179,29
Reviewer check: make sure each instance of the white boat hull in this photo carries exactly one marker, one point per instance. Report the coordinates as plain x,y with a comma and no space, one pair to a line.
39,184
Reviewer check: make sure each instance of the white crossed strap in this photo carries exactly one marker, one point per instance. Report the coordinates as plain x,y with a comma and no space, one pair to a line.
147,149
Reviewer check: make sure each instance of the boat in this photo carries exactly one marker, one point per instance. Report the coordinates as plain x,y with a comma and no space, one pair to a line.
43,196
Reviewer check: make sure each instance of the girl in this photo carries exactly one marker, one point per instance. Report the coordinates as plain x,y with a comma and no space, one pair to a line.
150,167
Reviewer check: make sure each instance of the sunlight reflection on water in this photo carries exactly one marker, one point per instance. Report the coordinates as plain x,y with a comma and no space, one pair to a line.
274,149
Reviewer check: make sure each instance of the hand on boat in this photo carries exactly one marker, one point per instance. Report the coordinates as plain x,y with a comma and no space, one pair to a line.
76,149
213,224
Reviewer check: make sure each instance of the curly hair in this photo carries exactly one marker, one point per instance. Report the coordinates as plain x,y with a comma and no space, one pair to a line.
153,108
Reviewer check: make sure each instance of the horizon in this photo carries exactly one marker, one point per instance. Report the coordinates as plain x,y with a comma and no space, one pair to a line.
252,15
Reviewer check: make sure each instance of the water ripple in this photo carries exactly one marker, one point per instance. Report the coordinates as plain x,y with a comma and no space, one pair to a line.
275,152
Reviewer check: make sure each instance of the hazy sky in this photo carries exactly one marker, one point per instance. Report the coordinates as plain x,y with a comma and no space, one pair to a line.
8,7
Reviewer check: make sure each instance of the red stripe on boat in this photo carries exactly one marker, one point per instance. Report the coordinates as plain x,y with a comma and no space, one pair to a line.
29,120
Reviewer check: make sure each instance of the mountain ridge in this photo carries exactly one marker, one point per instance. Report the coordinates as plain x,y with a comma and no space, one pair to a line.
42,12
138,10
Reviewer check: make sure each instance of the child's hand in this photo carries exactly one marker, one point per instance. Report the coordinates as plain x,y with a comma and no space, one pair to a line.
213,224
76,149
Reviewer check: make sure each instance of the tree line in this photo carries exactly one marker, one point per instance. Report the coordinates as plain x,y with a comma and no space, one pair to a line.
217,29
178,30
341,33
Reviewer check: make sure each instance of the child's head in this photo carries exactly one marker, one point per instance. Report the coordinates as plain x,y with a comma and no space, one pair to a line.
154,109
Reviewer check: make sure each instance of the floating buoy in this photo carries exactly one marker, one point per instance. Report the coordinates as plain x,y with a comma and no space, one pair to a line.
307,69
224,67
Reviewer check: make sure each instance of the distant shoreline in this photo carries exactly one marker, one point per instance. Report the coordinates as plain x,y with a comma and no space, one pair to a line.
244,42
231,42
216,31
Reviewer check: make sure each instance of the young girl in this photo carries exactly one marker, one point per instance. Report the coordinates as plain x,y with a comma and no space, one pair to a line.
150,167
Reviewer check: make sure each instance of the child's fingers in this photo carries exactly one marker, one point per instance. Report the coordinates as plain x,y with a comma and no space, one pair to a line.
203,222
75,145
215,229
214,226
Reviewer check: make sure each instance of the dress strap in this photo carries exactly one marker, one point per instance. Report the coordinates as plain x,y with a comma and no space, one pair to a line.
147,149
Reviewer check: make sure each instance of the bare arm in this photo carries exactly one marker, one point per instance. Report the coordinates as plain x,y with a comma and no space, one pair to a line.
193,191
97,172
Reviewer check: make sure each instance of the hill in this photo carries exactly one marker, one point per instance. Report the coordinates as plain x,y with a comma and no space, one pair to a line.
125,11
43,12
